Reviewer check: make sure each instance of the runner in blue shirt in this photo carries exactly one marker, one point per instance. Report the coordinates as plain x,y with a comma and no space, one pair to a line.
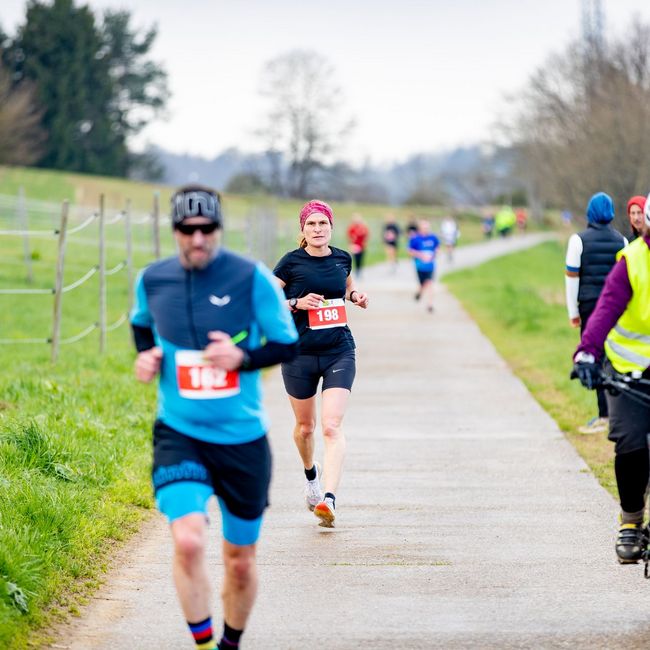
422,248
199,322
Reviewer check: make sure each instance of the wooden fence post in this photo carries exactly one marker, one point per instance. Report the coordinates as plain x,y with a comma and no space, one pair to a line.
58,291
102,277
156,225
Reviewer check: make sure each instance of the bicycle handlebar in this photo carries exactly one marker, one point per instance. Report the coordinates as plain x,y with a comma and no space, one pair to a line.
615,382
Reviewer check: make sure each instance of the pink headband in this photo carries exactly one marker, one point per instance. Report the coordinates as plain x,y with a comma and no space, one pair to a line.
315,206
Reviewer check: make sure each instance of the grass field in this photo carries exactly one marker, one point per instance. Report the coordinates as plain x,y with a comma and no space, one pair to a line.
84,190
74,456
518,302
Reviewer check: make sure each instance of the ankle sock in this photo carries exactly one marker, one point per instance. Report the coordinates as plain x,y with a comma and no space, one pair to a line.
230,638
329,495
202,633
311,474
632,517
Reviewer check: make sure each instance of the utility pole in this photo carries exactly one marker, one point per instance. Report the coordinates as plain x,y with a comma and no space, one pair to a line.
593,45
593,26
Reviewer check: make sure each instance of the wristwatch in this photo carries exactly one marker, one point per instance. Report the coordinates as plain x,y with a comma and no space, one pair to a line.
245,361
584,357
293,302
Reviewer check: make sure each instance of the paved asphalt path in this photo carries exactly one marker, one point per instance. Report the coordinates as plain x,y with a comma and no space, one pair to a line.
465,519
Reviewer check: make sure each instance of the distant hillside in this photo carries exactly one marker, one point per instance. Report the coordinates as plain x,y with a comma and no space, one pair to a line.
183,168
464,175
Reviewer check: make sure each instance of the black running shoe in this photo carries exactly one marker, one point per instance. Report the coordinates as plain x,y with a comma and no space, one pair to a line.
631,541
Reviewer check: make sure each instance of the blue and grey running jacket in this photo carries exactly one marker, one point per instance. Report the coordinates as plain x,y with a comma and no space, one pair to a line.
177,307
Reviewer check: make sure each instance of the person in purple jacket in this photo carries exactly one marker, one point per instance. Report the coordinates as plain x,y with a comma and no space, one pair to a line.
618,332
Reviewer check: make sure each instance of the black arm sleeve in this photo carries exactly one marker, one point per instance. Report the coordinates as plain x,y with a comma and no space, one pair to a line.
142,337
268,355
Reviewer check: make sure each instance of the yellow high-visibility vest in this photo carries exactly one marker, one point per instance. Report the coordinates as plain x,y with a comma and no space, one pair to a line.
628,342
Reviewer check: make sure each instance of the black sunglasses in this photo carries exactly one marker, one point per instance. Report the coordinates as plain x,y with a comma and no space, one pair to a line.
191,228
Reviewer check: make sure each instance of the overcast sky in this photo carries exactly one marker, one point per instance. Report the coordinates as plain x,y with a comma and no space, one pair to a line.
417,76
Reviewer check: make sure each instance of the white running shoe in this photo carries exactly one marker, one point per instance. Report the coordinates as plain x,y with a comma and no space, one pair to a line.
313,490
325,512
595,425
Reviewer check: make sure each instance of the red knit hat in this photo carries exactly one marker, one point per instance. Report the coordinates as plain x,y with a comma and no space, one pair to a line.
636,200
315,206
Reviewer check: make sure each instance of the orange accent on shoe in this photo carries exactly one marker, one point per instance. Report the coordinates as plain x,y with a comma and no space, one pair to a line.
325,514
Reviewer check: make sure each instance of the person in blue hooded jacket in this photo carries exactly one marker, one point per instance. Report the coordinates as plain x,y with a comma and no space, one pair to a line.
590,256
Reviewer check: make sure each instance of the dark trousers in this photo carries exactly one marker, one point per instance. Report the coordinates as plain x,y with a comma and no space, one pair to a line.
629,428
358,261
585,309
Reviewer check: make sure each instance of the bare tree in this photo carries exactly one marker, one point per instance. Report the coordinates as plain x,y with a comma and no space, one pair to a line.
584,124
21,137
304,126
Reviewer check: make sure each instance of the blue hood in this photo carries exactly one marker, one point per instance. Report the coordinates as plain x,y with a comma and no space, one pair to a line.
600,208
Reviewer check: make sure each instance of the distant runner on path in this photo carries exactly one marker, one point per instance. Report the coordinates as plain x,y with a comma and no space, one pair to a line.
198,321
449,233
391,236
620,326
317,280
422,248
358,233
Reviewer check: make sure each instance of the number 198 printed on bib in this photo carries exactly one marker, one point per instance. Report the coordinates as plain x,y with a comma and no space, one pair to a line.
330,313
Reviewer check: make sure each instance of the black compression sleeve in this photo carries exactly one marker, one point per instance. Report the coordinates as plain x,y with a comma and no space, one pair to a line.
142,337
268,355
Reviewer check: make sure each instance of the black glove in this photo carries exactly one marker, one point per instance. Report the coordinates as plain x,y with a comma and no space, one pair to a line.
587,371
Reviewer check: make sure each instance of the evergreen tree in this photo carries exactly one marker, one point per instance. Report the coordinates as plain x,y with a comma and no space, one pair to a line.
94,82
140,90
61,50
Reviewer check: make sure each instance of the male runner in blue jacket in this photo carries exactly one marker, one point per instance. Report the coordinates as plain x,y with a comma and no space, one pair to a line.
206,321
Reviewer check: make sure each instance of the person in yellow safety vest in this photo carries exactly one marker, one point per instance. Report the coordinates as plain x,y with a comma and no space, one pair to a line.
620,327
505,220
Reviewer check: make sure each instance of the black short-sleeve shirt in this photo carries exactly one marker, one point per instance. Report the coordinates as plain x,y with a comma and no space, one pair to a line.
303,273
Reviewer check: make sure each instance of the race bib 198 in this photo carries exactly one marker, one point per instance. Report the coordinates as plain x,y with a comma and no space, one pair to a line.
197,379
329,313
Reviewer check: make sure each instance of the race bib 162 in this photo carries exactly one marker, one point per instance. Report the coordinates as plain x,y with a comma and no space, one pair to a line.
197,379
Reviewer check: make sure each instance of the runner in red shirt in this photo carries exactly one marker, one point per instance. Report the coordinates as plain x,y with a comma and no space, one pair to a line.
358,234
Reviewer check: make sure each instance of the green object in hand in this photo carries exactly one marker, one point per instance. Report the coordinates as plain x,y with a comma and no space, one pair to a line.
238,338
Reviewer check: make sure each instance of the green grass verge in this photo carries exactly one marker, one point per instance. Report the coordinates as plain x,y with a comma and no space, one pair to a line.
518,302
74,478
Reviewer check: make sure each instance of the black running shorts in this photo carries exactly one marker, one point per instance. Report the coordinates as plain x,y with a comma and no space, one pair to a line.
301,376
424,276
238,474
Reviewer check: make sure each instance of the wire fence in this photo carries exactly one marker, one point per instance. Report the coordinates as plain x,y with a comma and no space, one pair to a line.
256,234
61,233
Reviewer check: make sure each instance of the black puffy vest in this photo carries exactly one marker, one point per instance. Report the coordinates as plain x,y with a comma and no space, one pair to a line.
600,243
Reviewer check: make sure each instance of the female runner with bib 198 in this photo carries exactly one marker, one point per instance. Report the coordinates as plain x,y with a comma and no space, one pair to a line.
316,279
